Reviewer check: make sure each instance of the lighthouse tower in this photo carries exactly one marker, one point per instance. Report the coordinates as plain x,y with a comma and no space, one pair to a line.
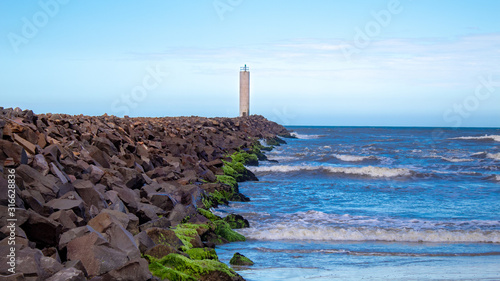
244,91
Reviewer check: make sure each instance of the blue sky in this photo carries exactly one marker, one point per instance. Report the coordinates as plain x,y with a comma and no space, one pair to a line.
372,63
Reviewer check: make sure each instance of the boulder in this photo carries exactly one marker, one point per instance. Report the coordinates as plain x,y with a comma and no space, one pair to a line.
70,201
96,254
164,236
163,201
68,274
143,241
89,194
43,231
239,259
134,270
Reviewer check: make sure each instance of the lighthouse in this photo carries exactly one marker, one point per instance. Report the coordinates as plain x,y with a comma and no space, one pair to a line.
244,91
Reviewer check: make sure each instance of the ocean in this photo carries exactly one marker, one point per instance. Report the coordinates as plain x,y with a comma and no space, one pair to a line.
374,203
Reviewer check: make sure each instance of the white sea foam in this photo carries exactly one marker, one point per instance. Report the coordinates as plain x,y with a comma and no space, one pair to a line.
455,160
353,158
371,171
495,156
302,136
291,232
485,137
281,158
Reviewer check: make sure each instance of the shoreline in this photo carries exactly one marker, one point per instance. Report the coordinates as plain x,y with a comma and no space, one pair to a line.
130,191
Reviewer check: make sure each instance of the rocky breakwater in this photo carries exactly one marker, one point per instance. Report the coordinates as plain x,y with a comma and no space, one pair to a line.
108,198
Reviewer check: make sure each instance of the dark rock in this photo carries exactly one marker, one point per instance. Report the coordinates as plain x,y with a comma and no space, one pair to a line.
67,218
239,259
159,222
164,236
89,194
45,232
134,270
162,200
236,221
70,201
96,254
143,241
68,274
159,251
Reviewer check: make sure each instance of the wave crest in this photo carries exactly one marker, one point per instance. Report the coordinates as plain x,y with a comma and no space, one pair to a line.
354,158
370,171
485,137
303,136
286,232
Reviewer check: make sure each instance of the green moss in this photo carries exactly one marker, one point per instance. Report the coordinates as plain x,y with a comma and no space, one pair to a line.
244,158
190,269
226,179
236,221
224,230
186,232
202,254
164,272
239,259
207,214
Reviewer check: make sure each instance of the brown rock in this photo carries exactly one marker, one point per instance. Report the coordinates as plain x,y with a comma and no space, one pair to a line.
162,200
134,270
143,241
70,201
89,194
40,164
96,254
164,236
31,148
68,274
159,251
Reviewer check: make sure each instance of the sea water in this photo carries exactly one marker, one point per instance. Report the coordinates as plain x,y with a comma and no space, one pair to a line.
344,203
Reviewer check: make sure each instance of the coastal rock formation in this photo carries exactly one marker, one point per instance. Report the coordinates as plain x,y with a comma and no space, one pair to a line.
96,194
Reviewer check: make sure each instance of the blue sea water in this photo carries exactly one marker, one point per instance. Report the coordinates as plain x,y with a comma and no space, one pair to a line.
352,203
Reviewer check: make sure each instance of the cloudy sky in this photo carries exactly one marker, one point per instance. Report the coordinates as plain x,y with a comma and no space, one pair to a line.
343,63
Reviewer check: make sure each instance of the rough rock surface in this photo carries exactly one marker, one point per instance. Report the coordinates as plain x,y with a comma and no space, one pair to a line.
85,185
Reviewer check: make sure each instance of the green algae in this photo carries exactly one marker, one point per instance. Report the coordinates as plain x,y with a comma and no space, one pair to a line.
224,230
202,254
186,232
207,214
239,259
178,267
227,179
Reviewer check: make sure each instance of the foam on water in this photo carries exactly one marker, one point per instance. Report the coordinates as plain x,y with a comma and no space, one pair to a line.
495,156
353,158
303,136
456,160
370,171
326,233
485,137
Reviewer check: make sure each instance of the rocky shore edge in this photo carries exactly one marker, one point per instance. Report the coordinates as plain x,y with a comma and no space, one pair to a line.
109,198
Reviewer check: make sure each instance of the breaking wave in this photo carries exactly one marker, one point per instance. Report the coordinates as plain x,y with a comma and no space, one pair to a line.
302,136
485,137
456,160
365,253
326,233
495,156
370,171
354,158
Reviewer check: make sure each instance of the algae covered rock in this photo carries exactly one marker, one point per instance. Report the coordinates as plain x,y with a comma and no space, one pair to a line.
178,267
239,259
236,221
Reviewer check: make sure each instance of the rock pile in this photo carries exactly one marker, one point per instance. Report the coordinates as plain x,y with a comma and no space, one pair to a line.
94,195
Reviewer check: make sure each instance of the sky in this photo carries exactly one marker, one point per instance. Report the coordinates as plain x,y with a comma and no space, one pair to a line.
315,62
